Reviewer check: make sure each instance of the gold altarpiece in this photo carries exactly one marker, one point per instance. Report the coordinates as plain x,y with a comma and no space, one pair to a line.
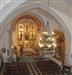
27,31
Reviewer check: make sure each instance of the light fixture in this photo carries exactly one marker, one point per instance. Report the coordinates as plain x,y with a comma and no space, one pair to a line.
48,39
45,32
40,38
53,33
53,39
12,46
55,45
49,45
41,45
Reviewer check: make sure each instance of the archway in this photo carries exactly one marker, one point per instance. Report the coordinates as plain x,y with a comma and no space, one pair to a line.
27,33
7,22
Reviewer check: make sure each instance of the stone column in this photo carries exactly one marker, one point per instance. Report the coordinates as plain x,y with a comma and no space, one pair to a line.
10,41
0,41
0,36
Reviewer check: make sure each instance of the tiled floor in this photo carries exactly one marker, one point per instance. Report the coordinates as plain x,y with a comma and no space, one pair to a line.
25,68
33,72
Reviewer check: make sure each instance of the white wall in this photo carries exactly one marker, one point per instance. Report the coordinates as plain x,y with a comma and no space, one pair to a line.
0,36
5,39
71,42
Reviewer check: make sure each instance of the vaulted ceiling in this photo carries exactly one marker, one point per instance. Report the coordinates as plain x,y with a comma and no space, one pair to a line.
63,6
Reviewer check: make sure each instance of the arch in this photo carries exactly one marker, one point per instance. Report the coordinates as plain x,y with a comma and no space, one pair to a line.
27,16
51,11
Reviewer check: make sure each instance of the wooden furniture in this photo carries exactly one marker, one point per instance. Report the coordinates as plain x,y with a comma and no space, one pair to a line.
67,69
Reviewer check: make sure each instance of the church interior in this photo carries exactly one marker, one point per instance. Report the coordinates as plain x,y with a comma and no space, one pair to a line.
35,37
